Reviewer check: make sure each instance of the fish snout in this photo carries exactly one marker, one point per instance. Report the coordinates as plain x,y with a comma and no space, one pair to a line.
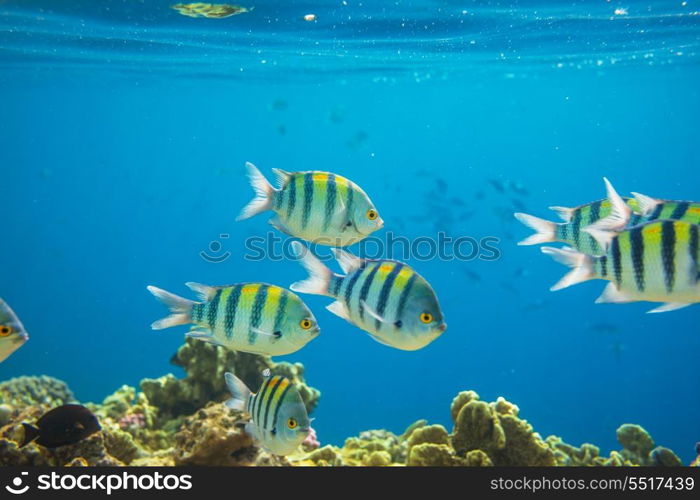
442,327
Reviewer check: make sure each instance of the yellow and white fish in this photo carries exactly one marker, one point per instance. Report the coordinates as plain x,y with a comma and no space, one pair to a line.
279,421
251,317
12,332
385,298
320,207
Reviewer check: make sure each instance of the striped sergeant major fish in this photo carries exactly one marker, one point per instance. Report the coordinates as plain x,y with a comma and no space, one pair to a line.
385,298
656,261
250,317
320,207
12,332
279,421
571,231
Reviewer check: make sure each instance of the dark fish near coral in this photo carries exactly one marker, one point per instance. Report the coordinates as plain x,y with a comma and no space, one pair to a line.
473,276
12,332
67,424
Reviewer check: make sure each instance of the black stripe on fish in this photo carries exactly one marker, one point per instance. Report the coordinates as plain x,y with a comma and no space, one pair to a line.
668,253
637,246
351,284
261,398
576,227
364,291
385,292
213,309
330,201
268,402
616,260
256,313
281,306
657,212
279,403
680,210
308,198
603,266
404,297
291,203
231,308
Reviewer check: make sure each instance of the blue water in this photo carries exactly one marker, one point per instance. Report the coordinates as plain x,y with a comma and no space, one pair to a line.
124,128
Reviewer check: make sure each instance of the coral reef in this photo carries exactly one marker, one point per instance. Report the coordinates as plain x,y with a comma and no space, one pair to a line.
21,392
175,421
205,366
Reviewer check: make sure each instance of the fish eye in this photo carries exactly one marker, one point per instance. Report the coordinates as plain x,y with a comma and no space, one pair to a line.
372,214
426,317
292,423
305,323
5,330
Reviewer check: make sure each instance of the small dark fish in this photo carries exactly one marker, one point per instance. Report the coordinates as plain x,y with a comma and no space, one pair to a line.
535,305
475,277
479,195
465,216
441,185
337,115
282,130
518,188
67,424
458,202
604,328
497,185
521,272
278,105
518,205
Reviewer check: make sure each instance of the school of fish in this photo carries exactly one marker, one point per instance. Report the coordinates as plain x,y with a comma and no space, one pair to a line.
646,248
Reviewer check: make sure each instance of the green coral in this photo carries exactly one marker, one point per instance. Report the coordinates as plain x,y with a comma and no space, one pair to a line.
26,391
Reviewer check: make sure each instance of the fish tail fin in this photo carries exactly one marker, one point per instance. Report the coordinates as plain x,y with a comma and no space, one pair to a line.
320,276
179,307
30,434
545,231
582,266
239,392
264,194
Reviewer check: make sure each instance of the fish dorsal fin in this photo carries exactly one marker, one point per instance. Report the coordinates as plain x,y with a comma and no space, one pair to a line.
373,313
646,204
204,292
607,228
347,261
670,306
282,176
564,213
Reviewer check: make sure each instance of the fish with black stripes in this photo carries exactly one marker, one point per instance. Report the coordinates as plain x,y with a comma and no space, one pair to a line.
279,420
251,317
571,231
385,298
12,332
319,207
656,261
639,209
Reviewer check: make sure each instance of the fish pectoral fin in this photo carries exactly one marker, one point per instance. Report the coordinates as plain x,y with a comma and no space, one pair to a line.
339,309
274,335
611,294
277,224
374,313
670,306
203,335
